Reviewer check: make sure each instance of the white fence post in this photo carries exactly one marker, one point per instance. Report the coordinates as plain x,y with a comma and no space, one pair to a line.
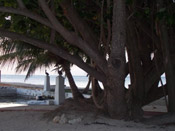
59,90
0,75
47,83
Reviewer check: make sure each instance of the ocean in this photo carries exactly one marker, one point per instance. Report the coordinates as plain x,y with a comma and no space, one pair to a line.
81,81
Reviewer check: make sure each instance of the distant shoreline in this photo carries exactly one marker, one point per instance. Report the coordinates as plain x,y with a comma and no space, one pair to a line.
81,81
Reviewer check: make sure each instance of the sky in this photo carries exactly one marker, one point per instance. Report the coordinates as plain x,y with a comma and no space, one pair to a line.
10,70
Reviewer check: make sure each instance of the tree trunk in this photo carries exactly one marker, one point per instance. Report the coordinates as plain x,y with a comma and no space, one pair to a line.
168,61
85,91
75,92
169,70
136,89
115,92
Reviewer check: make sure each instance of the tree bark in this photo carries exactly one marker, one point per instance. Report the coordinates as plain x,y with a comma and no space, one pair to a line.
85,91
97,94
168,60
115,92
154,73
21,4
136,89
155,93
169,70
75,92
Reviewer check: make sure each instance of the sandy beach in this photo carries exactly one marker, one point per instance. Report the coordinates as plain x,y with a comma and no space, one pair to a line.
34,121
31,118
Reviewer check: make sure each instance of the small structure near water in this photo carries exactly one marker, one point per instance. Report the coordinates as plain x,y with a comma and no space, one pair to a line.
19,89
32,91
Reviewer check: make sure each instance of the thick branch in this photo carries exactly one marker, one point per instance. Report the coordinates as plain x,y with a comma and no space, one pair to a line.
155,94
21,4
53,32
75,92
70,37
81,25
153,75
27,14
55,50
73,39
146,29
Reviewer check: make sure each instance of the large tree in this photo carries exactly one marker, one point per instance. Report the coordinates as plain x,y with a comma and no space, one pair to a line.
84,39
103,31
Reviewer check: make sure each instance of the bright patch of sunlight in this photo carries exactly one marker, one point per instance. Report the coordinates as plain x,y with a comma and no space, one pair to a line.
7,105
8,18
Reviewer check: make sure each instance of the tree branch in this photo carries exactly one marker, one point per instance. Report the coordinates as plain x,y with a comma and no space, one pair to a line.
109,30
154,74
83,28
155,94
27,13
21,4
73,39
53,32
55,50
79,23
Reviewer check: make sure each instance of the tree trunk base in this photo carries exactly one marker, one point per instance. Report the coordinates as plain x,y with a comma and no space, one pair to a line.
116,106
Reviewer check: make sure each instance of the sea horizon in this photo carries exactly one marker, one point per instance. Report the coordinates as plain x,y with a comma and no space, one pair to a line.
80,80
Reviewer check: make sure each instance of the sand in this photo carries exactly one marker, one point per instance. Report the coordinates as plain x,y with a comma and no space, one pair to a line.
34,121
31,118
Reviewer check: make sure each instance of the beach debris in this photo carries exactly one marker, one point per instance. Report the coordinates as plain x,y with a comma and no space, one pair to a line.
63,119
60,119
76,120
56,119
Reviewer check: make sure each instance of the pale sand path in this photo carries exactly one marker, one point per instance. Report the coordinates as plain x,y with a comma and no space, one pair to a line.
33,121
